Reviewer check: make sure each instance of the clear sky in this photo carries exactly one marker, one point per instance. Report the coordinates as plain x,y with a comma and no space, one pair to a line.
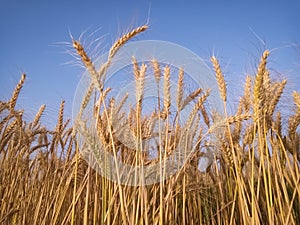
33,33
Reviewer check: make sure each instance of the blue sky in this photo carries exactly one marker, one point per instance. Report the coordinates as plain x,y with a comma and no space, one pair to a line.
33,33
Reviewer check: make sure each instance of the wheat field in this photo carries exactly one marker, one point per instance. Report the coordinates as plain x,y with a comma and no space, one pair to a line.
254,178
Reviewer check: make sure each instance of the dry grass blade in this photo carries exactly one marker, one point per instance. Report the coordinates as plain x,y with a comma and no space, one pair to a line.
220,78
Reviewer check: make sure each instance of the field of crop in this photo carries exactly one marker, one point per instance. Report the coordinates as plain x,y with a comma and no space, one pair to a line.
252,179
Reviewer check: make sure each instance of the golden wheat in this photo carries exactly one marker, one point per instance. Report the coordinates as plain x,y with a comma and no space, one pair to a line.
257,90
38,116
275,97
205,115
44,178
296,96
167,95
59,124
220,78
16,93
85,58
157,72
247,94
180,86
125,38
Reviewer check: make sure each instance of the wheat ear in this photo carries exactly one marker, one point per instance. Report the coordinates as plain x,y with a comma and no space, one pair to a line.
121,41
238,118
296,96
189,98
276,96
114,49
156,68
220,78
136,68
258,85
60,117
93,73
180,89
277,124
15,95
247,94
294,120
167,95
38,116
205,115
238,125
203,98
293,123
140,83
86,99
88,64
